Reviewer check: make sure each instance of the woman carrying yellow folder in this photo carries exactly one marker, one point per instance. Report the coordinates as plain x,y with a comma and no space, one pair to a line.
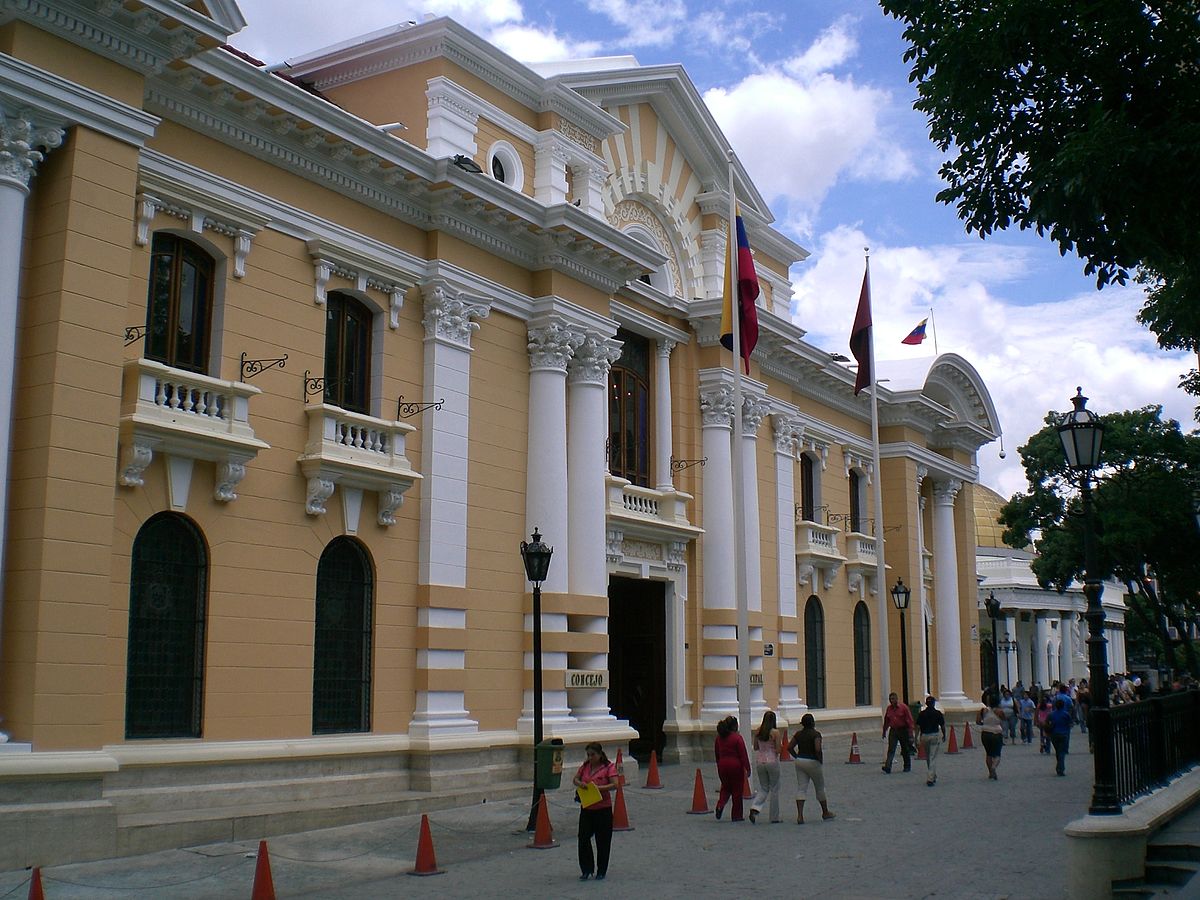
594,781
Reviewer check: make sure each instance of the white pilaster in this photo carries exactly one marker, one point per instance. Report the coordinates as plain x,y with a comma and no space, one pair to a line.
716,411
787,434
550,168
754,409
917,635
1066,646
1008,658
452,122
1041,647
449,321
663,449
945,589
588,574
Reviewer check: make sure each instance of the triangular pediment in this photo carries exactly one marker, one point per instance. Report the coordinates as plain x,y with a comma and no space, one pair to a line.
225,13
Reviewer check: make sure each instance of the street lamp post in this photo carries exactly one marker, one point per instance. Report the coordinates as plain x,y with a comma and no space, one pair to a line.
536,557
1082,433
993,610
901,594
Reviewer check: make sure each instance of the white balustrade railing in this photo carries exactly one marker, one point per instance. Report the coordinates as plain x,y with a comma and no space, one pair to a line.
339,435
173,398
812,538
630,500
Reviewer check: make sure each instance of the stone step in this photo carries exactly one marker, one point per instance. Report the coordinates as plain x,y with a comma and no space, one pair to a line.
148,800
1173,852
1172,874
148,832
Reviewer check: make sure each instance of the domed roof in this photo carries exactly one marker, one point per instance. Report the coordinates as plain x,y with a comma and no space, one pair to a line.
988,529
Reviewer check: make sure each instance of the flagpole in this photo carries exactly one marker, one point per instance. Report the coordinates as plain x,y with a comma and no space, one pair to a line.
933,327
881,593
739,504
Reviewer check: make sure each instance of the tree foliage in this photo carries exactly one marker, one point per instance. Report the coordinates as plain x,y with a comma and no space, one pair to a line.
1144,509
1077,118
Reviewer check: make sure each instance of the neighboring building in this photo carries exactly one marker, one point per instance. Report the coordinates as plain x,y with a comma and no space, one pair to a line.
250,584
1041,633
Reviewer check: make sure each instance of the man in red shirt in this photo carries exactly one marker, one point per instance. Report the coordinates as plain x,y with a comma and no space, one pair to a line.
897,728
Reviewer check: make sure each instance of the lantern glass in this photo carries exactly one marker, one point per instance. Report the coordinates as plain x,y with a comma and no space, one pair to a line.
536,556
901,594
1082,434
992,604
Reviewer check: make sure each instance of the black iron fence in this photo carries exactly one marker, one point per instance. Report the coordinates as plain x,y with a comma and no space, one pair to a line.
1154,741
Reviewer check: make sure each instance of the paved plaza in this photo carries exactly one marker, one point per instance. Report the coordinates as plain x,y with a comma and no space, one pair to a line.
893,837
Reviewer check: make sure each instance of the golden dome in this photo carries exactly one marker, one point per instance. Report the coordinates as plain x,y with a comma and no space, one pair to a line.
988,529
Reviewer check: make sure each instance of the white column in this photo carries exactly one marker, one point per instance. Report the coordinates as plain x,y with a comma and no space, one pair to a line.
918,658
442,555
663,449
550,347
945,589
1066,646
550,168
588,574
753,411
1041,641
22,142
716,410
1008,659
787,433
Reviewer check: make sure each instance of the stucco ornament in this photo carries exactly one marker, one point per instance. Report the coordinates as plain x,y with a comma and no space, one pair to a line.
23,144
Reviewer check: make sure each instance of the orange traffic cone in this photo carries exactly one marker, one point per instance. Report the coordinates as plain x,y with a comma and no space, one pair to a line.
652,782
967,743
35,885
620,814
620,768
953,748
264,886
855,759
747,794
426,859
699,800
543,835
921,750
784,756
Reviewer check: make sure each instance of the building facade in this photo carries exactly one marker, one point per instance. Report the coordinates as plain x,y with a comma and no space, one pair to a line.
299,354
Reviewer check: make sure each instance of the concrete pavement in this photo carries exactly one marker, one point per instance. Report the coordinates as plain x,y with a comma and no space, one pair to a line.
967,837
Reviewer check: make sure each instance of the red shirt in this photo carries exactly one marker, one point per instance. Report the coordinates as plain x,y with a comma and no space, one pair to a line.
898,716
605,773
731,749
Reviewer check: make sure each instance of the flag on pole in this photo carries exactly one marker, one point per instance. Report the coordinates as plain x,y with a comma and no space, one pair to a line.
917,335
860,336
747,293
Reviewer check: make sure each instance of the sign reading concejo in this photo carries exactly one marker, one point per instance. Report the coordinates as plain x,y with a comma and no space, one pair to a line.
756,677
587,678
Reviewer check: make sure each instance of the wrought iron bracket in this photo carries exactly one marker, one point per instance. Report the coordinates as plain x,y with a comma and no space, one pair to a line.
134,333
251,367
406,409
678,465
312,386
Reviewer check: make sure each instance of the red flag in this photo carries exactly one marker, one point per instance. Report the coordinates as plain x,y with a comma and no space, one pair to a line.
917,335
747,293
860,336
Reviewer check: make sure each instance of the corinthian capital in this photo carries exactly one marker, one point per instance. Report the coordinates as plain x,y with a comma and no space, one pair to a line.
593,358
754,410
23,144
448,315
788,432
551,346
944,492
716,405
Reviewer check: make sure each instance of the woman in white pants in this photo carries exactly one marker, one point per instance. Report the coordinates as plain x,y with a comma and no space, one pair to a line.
766,767
806,751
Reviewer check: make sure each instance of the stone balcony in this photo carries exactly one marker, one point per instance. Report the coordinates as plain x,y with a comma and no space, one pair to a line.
817,551
358,453
185,417
647,524
862,561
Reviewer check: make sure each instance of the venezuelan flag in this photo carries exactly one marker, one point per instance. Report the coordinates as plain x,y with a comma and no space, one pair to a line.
747,293
917,335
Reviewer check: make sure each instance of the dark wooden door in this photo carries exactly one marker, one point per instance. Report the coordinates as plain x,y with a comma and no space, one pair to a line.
637,660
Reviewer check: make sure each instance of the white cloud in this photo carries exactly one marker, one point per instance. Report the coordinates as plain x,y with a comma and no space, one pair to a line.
834,46
534,45
1030,356
647,23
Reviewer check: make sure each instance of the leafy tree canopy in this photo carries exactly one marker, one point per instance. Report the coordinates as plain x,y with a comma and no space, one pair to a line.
1080,119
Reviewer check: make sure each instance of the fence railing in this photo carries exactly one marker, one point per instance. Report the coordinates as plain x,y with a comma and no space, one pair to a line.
1154,741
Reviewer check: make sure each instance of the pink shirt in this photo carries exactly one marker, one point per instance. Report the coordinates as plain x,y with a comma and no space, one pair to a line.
605,773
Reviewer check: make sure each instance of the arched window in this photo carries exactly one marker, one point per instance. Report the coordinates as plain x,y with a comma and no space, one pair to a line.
858,502
808,489
347,352
814,652
862,655
164,672
179,303
342,639
629,410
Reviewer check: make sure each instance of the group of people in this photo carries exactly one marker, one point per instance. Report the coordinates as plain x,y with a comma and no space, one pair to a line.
900,727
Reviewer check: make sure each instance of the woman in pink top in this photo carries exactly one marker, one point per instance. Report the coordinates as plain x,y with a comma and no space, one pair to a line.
733,766
596,820
766,767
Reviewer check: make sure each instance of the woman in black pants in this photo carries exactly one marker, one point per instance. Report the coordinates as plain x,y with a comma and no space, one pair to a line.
597,819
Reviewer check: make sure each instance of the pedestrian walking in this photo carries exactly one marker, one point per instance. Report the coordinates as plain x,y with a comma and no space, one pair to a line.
596,819
1060,734
1008,704
733,766
898,727
990,720
1025,710
932,726
805,748
1042,717
766,768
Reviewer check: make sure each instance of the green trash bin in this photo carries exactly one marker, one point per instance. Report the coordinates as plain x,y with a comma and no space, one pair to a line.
549,764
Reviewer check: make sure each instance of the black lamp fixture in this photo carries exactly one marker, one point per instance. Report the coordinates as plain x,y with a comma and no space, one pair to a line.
993,610
467,164
901,594
536,557
1081,433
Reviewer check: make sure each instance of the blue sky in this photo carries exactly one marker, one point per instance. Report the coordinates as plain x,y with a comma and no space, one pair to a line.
814,97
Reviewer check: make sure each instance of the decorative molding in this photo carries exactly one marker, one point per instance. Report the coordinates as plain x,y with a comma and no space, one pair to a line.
229,474
329,260
592,360
24,142
136,456
788,432
628,212
716,405
242,228
319,490
552,345
944,492
676,555
390,500
449,315
613,540
754,410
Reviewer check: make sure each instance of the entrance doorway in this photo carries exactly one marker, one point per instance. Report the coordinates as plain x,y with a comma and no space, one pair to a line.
637,660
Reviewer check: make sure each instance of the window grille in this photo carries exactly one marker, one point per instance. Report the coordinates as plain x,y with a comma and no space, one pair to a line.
342,640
